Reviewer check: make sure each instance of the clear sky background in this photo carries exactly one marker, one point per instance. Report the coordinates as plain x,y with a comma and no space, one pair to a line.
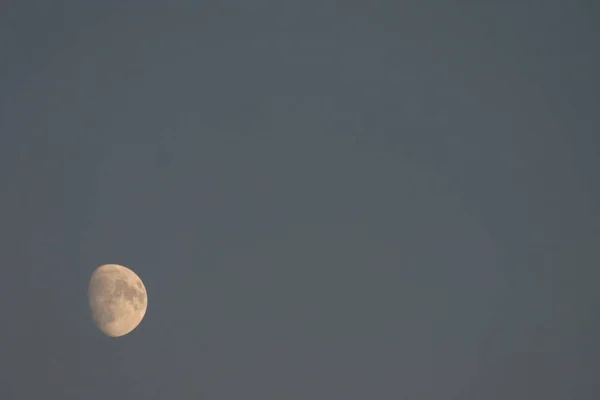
325,200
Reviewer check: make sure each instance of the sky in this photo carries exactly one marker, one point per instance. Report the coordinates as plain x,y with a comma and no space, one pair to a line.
325,200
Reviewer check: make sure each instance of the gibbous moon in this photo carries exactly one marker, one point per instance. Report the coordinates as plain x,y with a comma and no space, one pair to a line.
117,298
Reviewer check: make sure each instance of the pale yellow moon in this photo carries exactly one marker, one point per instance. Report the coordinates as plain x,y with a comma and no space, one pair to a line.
118,299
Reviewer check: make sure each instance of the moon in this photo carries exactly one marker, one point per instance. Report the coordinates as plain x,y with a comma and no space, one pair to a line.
118,299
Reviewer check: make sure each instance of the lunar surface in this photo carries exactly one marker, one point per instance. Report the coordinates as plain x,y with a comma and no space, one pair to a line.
118,299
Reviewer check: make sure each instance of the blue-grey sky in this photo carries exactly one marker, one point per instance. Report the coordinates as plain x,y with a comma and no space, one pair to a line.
325,200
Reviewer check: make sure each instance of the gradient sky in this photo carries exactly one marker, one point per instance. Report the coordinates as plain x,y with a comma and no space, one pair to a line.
326,200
